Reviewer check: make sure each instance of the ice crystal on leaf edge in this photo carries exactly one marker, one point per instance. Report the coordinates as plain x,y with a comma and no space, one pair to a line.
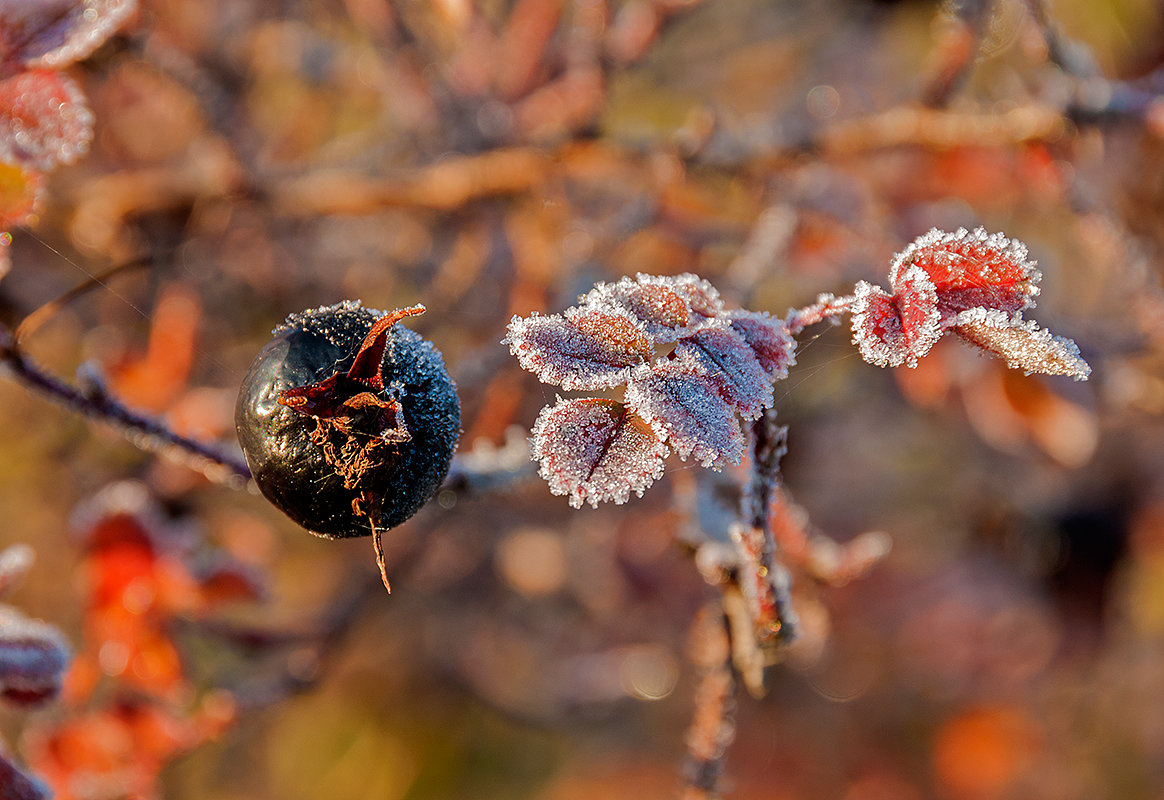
972,283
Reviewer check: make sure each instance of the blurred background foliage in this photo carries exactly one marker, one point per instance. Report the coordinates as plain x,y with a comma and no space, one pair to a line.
490,158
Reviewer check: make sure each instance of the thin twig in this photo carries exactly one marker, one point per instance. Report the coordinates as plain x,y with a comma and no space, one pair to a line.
713,723
827,306
956,51
145,432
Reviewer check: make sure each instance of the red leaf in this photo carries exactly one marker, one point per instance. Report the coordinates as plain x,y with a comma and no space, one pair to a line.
587,350
891,330
681,403
44,120
731,366
769,339
33,656
596,450
55,33
1021,343
971,269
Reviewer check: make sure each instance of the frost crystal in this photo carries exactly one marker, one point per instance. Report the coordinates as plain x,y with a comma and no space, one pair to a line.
1021,343
769,338
971,282
666,306
596,450
590,350
731,366
681,403
689,366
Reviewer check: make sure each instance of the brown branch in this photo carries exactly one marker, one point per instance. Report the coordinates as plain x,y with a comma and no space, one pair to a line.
955,51
145,432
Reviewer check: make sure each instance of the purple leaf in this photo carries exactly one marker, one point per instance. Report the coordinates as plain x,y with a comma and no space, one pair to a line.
681,403
33,655
585,350
16,785
596,450
1021,343
769,338
55,33
731,366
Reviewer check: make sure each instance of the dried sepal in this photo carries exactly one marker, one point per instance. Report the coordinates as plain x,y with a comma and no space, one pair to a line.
55,33
596,450
683,405
770,339
33,657
586,350
44,120
1021,343
731,366
970,269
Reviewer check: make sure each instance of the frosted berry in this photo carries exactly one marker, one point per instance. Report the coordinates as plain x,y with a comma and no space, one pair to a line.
348,421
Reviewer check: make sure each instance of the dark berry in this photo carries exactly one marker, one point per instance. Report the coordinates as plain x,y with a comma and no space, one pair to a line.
348,420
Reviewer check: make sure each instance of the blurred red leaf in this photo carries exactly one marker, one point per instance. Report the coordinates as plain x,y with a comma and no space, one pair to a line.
153,380
44,119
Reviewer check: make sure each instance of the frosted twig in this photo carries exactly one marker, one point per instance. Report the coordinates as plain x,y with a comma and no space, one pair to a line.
826,306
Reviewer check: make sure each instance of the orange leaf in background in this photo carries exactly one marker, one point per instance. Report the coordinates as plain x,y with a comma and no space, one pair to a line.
118,751
154,380
981,753
20,191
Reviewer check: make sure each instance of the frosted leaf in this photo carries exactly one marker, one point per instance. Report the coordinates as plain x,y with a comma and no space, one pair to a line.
1021,343
44,120
596,450
33,656
586,350
55,33
682,404
769,338
731,366
665,305
891,330
971,269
